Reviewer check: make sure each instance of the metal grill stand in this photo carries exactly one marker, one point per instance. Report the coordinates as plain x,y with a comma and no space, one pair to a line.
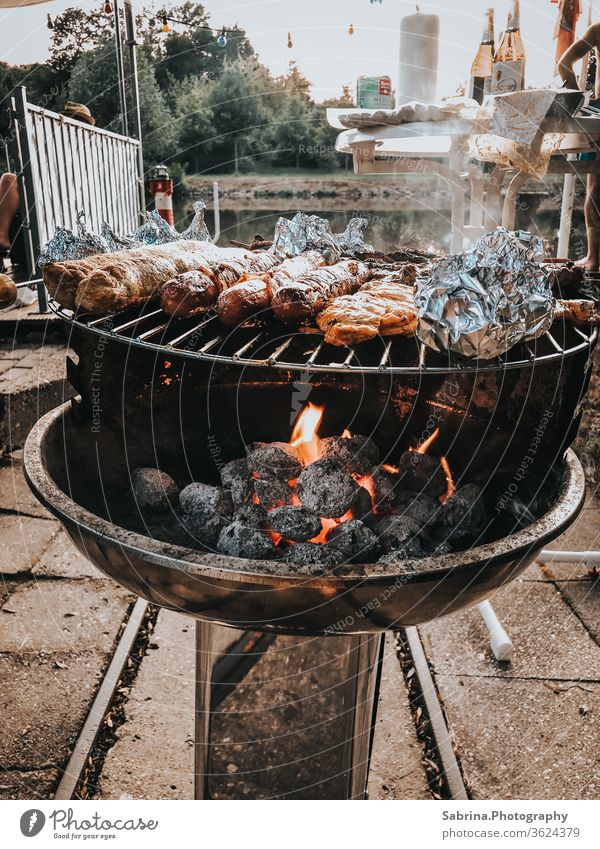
284,717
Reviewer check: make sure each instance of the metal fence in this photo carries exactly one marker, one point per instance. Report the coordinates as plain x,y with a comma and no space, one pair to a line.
65,166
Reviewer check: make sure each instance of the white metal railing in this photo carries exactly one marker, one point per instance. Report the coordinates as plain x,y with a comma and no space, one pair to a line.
66,166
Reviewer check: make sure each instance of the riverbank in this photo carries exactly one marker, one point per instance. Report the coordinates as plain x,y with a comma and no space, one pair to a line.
345,189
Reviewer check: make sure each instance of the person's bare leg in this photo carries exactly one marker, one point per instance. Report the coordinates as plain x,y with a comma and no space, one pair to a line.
591,261
9,206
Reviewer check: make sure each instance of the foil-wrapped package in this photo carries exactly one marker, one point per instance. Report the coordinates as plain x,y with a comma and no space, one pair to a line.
302,233
485,300
352,239
65,244
115,242
197,231
155,231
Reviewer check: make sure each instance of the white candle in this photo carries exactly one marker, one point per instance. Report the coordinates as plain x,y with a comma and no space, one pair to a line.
419,47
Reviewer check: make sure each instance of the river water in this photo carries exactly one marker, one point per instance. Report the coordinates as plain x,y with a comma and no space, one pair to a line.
388,229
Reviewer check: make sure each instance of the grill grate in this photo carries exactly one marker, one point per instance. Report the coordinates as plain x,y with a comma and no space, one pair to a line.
268,344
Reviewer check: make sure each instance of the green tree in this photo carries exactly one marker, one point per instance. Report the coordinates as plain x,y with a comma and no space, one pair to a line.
193,122
75,32
241,101
94,82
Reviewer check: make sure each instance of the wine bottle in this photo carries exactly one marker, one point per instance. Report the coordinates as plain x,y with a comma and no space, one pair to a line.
481,69
509,62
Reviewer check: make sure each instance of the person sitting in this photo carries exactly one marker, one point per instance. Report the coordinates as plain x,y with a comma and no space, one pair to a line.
9,207
590,41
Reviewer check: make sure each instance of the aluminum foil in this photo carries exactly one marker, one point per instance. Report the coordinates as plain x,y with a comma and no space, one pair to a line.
155,231
198,231
352,239
65,244
305,232
485,300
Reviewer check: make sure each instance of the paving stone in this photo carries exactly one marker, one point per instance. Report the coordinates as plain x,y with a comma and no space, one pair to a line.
153,757
33,784
396,769
549,640
57,616
43,702
522,740
62,560
583,535
23,540
584,598
15,493
28,393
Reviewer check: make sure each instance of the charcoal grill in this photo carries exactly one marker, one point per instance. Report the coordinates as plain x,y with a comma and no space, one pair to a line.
174,393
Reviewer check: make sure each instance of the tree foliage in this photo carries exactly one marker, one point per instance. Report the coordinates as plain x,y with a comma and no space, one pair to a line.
203,106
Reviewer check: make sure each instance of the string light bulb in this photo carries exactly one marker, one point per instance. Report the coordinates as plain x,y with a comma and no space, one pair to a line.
165,25
290,42
351,29
222,39
108,9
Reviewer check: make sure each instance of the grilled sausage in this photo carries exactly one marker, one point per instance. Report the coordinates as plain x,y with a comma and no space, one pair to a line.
189,293
304,298
253,294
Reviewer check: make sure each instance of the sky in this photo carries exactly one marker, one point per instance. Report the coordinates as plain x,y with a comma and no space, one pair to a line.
324,51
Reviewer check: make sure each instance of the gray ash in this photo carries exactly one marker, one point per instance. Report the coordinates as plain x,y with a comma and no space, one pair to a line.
294,523
273,492
235,476
327,489
239,540
242,492
252,516
234,470
399,558
399,533
311,558
275,459
421,473
154,491
355,540
358,454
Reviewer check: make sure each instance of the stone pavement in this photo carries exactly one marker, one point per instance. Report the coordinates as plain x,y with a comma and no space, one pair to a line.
31,383
59,619
529,729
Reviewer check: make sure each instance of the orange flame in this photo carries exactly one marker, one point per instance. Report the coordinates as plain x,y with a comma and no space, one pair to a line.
366,481
305,433
329,524
450,485
391,470
424,446
346,434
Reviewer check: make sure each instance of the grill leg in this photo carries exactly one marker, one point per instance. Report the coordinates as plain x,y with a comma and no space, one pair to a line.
287,717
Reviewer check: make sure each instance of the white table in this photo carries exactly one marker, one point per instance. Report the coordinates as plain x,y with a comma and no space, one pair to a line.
440,147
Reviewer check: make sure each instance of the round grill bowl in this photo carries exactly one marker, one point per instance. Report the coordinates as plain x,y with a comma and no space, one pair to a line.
254,594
